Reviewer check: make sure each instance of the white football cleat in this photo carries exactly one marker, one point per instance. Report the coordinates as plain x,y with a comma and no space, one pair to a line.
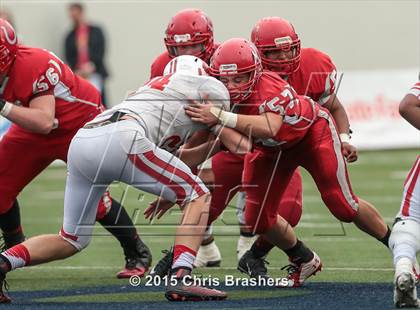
244,244
405,292
208,256
299,273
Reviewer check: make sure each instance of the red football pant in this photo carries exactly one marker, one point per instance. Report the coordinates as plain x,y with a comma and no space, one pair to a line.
267,175
22,159
227,169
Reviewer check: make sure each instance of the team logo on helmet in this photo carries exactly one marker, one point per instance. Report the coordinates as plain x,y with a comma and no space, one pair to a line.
182,38
228,69
284,42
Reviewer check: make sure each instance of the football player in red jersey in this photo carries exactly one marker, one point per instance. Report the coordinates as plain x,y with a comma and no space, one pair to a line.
47,104
289,131
310,72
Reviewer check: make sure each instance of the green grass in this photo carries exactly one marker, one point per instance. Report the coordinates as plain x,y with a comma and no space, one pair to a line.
348,255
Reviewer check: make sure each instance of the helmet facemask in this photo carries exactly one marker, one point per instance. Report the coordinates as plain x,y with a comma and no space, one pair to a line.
283,67
8,46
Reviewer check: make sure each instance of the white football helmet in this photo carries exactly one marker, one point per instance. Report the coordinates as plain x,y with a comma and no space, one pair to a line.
186,64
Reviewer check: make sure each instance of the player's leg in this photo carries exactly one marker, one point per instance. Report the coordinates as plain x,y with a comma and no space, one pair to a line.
327,167
21,160
290,208
156,171
115,219
266,178
208,254
226,173
84,188
246,236
405,242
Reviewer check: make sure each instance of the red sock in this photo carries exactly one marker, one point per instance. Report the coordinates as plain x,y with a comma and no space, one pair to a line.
17,256
183,257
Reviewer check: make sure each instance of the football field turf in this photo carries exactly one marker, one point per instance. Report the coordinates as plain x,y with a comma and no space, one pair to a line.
357,269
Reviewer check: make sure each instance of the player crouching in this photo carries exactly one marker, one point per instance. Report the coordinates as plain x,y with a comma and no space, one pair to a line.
132,143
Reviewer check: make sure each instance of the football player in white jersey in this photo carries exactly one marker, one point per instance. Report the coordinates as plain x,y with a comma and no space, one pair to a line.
134,142
404,241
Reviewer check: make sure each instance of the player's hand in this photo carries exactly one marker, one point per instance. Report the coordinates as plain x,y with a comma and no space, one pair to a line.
199,112
157,208
350,152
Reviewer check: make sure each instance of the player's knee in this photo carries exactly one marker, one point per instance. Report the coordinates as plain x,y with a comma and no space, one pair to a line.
339,208
259,223
291,211
203,200
405,231
79,242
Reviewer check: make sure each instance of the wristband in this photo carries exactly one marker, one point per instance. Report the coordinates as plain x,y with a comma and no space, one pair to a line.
5,107
345,138
227,119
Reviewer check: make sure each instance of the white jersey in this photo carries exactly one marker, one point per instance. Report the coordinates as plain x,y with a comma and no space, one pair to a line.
159,106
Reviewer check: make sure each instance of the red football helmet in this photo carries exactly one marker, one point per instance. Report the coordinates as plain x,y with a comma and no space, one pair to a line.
190,27
233,57
277,34
8,45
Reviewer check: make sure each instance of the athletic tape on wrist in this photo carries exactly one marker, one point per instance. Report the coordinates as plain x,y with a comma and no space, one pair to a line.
345,138
7,107
227,119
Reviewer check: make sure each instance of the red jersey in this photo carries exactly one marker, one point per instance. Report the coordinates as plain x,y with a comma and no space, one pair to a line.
273,94
316,76
159,64
38,72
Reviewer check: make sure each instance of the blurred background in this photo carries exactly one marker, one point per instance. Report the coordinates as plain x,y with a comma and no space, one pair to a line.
374,44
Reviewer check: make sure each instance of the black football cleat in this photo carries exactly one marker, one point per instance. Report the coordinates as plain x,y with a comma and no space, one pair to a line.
254,267
163,267
137,262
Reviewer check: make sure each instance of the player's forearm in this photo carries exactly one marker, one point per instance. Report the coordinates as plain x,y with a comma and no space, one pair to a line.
34,120
339,114
196,155
198,138
234,141
259,126
410,109
341,120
